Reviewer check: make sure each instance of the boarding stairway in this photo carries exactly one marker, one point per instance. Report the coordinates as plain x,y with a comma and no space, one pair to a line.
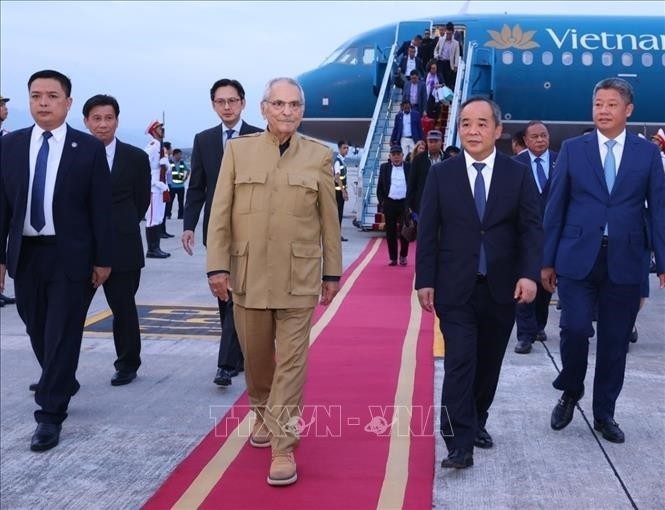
474,77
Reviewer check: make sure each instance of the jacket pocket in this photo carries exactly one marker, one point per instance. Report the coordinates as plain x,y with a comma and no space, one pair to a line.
303,194
571,231
305,269
249,192
239,257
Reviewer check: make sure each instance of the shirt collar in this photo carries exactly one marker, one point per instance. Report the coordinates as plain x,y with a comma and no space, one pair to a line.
58,133
110,148
236,127
620,139
489,160
544,157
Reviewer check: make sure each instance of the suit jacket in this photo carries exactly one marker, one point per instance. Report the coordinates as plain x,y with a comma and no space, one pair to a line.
81,202
272,221
421,103
418,177
385,176
130,185
579,206
206,161
454,54
416,127
450,232
525,159
419,67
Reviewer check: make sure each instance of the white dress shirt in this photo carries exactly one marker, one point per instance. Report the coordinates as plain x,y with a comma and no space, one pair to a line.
236,131
406,125
110,152
56,145
397,183
545,163
486,172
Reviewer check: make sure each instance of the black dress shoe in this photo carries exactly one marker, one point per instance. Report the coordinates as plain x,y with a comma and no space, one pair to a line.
458,459
541,336
157,254
7,300
46,436
223,377
121,378
562,414
166,235
523,347
610,430
35,386
344,239
483,439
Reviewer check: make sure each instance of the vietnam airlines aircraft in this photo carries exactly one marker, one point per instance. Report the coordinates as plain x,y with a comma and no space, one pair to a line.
534,67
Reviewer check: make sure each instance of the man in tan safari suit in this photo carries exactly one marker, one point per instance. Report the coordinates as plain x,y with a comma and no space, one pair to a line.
273,219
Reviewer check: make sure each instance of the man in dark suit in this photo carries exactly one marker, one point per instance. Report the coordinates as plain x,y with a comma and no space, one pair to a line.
55,208
531,318
416,92
391,191
595,245
410,62
479,252
130,187
420,167
228,101
407,130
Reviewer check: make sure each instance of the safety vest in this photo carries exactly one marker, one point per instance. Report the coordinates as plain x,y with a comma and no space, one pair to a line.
342,175
178,171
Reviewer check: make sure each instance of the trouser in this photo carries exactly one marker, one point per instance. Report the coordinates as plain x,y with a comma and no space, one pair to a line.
449,75
179,193
531,318
340,204
407,144
230,355
53,308
617,309
394,211
155,213
275,344
120,290
476,334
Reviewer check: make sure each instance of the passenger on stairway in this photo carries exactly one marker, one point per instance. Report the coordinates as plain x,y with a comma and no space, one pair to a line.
419,148
447,54
433,81
416,92
407,129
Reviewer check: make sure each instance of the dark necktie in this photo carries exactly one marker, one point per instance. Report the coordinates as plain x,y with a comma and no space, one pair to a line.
540,171
229,135
480,200
38,184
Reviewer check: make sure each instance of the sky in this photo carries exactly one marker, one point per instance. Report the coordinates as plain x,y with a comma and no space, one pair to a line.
163,56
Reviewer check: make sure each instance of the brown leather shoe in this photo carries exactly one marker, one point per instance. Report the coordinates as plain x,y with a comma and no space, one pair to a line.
260,436
282,468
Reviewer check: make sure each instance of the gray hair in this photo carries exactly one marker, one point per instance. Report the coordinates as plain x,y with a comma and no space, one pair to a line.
624,88
290,81
496,111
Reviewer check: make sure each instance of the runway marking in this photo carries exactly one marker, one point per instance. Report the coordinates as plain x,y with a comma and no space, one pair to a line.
215,469
397,465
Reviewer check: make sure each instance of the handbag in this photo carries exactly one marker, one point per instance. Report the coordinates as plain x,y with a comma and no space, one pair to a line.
444,94
409,228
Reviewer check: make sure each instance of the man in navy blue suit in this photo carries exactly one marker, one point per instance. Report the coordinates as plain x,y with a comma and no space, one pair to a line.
531,318
595,241
407,130
479,252
55,209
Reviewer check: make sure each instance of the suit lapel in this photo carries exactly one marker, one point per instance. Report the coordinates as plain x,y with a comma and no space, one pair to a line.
68,154
118,161
496,187
462,183
593,155
627,156
24,171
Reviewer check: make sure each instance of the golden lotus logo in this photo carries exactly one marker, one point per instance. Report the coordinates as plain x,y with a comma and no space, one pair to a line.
514,38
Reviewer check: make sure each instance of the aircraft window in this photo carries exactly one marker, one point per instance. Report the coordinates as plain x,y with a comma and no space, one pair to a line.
566,58
548,58
587,58
607,58
647,59
333,57
527,58
348,56
368,56
627,59
507,57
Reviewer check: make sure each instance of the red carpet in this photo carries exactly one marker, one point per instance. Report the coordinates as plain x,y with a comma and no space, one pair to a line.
349,456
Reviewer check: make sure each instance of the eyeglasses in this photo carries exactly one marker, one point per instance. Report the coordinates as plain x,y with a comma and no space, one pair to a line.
279,105
230,102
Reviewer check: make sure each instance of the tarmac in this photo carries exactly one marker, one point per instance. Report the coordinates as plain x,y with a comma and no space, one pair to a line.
120,443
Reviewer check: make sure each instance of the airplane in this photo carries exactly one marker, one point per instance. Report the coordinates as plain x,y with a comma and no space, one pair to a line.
536,68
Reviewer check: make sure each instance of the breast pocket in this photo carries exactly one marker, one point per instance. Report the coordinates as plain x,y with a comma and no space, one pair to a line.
303,194
305,269
249,192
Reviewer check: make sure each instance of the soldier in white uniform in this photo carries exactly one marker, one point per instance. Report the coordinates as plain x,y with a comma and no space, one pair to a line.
155,214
